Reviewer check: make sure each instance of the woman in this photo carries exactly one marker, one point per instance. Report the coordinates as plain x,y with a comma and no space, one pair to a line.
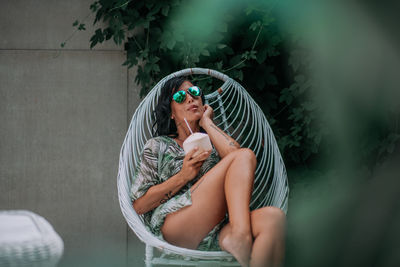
202,201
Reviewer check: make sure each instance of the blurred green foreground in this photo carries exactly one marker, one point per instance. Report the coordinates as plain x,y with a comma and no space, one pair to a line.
335,112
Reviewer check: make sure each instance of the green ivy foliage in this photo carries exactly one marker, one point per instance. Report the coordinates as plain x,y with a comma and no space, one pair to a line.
239,38
245,43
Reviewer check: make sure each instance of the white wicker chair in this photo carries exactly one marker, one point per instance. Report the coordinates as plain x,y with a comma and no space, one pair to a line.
238,115
27,239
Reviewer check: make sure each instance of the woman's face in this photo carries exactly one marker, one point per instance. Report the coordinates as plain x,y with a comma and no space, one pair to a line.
191,108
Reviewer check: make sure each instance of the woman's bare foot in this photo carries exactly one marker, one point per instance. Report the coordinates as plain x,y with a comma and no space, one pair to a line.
239,245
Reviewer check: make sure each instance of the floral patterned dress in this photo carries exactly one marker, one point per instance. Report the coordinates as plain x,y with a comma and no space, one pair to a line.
161,159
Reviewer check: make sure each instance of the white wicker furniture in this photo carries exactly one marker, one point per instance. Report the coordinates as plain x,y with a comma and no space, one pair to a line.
238,115
27,239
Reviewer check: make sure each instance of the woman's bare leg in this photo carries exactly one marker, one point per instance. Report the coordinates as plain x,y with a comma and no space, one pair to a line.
237,239
268,225
227,186
268,229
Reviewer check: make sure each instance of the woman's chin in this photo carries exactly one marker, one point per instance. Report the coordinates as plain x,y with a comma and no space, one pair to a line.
194,116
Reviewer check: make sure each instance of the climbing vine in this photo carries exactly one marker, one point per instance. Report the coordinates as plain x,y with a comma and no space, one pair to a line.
242,40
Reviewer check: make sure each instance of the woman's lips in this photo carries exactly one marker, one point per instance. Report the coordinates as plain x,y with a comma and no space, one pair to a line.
192,107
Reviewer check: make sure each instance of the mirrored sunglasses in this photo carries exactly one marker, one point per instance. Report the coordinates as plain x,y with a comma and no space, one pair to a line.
180,96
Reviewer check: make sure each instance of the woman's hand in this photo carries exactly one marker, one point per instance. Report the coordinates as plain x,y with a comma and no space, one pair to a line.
191,165
161,193
208,114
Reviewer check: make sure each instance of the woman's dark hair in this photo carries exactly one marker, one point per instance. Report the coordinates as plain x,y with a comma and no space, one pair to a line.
163,124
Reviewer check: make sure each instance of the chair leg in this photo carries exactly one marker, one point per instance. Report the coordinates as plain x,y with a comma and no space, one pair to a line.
149,256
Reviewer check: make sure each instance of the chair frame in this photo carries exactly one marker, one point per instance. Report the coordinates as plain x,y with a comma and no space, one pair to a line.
277,194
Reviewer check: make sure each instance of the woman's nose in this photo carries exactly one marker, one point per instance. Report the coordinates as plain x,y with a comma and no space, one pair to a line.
189,97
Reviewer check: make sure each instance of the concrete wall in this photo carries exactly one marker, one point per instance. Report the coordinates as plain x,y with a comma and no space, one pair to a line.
63,117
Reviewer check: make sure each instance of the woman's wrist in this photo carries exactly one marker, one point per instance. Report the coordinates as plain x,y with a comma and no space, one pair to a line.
182,178
206,122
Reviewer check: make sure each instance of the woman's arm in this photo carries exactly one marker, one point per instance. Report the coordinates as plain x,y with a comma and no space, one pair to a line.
161,193
224,144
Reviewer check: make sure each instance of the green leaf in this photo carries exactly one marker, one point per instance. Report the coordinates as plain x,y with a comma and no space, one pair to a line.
267,20
171,43
252,54
309,106
96,38
293,88
205,52
81,27
286,96
155,59
239,75
229,51
168,40
261,56
94,6
165,10
99,15
119,36
156,68
248,10
149,4
235,60
253,26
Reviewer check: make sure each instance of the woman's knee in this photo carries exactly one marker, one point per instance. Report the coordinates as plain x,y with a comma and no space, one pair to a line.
273,213
246,154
